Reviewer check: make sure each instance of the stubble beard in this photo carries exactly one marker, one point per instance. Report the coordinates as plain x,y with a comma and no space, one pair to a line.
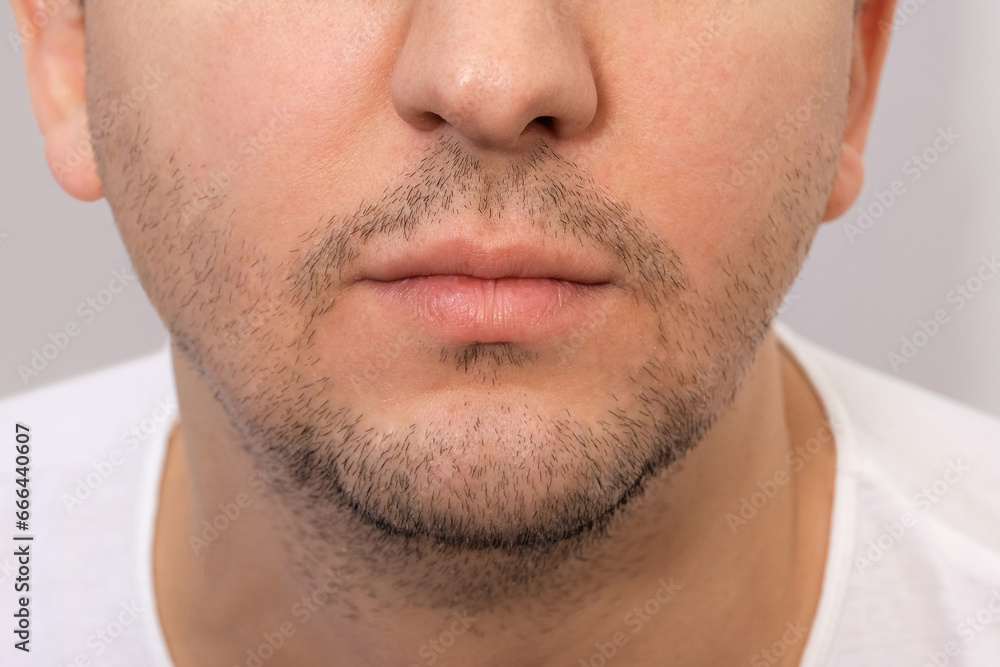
357,500
372,500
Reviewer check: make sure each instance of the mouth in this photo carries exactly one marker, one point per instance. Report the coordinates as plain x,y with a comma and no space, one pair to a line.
477,260
459,292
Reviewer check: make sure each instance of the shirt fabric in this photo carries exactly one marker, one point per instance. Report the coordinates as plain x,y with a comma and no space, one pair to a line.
912,576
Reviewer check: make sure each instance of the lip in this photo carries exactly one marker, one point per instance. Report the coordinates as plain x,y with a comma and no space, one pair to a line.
461,291
478,260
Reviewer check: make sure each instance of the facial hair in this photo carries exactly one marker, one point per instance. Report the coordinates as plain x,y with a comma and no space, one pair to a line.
503,522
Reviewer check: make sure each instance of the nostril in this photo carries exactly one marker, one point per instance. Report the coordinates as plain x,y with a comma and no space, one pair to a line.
548,122
426,120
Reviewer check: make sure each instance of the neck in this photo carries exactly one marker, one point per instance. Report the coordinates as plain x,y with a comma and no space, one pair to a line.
238,575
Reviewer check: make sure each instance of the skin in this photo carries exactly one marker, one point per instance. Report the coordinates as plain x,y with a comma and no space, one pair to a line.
545,489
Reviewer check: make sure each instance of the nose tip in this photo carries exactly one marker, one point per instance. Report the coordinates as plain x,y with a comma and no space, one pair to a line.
491,80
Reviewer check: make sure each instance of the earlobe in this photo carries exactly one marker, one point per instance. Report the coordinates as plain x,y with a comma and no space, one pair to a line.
847,183
70,156
54,43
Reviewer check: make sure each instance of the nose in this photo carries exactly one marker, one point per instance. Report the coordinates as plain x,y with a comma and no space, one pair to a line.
491,69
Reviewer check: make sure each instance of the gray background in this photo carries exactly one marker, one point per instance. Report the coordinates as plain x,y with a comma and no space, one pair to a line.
860,298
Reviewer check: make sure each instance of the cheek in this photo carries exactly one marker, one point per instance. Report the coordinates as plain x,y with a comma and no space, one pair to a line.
210,177
720,129
270,111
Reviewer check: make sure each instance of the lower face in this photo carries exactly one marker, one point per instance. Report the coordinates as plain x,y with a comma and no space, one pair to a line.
265,162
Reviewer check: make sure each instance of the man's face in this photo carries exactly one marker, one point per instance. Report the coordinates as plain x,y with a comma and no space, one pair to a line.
678,153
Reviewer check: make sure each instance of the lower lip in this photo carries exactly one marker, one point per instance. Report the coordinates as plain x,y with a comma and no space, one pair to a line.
462,309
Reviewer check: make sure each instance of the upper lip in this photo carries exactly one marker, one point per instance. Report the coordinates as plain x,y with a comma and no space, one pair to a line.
457,256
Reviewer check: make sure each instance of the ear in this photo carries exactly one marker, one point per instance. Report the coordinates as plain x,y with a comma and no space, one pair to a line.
871,40
53,40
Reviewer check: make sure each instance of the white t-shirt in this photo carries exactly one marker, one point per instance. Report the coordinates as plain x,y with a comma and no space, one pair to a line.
912,576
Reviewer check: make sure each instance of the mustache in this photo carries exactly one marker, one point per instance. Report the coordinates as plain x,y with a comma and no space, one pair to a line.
558,198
